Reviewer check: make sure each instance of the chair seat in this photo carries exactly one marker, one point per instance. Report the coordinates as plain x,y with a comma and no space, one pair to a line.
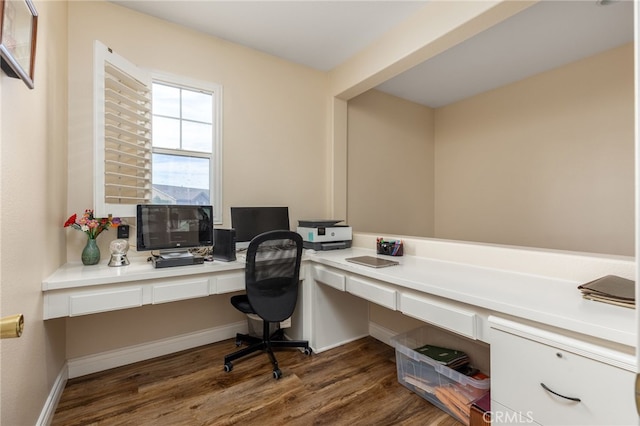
241,303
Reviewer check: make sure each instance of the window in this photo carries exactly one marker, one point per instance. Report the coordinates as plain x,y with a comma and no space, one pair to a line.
157,138
183,143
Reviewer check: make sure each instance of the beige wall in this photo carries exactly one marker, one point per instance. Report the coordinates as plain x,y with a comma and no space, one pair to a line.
545,162
274,150
430,31
33,146
274,117
131,327
390,165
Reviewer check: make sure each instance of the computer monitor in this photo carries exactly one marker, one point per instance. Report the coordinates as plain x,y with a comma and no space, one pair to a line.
252,221
173,229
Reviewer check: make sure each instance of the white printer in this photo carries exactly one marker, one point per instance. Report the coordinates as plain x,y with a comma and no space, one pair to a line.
324,234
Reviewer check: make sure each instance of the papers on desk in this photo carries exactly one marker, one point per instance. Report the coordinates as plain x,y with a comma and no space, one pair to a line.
610,289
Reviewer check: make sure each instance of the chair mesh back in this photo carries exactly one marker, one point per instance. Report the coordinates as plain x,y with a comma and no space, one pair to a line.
272,274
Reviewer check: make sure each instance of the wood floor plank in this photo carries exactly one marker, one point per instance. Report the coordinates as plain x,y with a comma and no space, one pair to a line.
354,384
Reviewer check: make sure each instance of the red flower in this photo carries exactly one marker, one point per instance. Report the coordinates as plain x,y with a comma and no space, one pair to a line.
71,220
90,225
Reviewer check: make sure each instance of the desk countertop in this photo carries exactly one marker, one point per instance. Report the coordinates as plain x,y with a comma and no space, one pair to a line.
554,302
77,275
550,301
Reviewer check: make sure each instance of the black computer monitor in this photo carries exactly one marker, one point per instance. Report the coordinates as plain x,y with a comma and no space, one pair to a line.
251,221
173,229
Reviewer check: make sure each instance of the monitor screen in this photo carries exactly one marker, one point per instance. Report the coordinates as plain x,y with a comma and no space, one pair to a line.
173,228
249,222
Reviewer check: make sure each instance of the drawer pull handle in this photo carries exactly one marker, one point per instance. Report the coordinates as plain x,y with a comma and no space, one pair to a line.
557,394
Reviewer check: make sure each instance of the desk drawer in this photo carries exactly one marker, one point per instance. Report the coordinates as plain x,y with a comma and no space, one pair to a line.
373,292
230,283
520,367
108,300
181,290
327,277
440,314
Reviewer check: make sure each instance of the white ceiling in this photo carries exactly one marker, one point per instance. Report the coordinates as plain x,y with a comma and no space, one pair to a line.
546,35
323,34
318,34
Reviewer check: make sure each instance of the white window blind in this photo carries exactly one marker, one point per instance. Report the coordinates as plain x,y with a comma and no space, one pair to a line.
122,134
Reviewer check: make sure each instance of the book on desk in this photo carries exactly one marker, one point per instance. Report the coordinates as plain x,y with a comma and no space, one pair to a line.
610,289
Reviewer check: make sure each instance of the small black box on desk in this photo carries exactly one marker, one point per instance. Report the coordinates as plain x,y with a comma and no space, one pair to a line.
224,244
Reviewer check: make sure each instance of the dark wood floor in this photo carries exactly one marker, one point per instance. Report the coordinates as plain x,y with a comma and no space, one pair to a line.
355,384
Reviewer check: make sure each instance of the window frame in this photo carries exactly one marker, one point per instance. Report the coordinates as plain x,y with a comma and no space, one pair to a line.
215,172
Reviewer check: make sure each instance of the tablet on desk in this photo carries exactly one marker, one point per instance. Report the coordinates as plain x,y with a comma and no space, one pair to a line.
371,261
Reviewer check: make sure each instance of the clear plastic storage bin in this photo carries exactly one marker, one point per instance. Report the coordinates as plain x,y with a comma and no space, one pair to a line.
444,387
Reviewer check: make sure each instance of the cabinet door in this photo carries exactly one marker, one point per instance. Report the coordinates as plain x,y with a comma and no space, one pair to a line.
557,386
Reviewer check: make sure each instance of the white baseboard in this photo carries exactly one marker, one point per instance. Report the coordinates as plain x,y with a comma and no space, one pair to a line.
318,350
375,330
379,332
103,361
49,409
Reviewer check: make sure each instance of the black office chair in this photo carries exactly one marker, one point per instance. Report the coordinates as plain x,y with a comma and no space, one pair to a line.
272,277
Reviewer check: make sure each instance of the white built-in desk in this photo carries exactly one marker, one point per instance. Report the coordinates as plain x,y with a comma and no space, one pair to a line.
549,302
75,289
541,332
541,318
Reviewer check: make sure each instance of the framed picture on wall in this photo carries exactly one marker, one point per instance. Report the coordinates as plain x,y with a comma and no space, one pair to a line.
18,29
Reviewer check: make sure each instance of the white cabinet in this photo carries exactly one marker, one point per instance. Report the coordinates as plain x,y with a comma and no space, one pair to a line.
501,415
558,380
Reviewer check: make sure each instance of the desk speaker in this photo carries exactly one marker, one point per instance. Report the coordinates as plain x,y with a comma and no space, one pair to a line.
224,244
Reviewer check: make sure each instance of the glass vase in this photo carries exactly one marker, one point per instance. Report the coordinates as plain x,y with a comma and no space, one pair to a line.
91,252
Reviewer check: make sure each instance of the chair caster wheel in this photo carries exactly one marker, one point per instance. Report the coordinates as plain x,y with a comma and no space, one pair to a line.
307,351
277,373
228,367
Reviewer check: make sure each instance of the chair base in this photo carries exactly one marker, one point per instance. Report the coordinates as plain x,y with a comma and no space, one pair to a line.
266,343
